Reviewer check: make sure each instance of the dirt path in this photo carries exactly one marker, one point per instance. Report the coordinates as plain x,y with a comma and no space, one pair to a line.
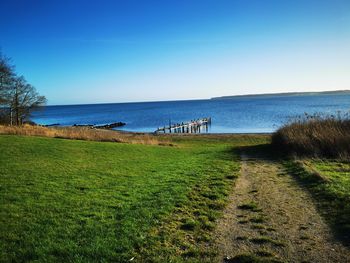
271,217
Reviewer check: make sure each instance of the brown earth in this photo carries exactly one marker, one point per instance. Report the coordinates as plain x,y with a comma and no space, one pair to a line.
270,217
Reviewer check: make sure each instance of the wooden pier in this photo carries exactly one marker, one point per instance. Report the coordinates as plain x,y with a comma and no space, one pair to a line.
193,126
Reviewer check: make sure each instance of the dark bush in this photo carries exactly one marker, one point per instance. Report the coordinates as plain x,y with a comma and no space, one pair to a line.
316,136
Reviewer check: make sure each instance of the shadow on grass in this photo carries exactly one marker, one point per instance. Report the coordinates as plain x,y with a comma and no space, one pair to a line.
260,151
334,208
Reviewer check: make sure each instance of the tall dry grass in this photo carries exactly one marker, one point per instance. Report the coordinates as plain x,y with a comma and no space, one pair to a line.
83,133
315,135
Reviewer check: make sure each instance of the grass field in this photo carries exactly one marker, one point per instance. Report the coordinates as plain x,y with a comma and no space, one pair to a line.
82,201
328,180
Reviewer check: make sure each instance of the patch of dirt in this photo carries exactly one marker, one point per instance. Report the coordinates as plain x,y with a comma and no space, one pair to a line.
270,216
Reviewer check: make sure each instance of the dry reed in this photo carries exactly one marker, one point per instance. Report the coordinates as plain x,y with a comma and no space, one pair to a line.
315,135
83,133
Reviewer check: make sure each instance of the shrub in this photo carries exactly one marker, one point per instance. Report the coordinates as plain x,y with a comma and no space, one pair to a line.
315,135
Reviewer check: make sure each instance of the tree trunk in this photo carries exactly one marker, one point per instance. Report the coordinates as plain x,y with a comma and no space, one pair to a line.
16,108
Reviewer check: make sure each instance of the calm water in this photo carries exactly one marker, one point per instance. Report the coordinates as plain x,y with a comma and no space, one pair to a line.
238,115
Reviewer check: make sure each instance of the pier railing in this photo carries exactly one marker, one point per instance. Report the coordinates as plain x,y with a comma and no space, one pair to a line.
193,126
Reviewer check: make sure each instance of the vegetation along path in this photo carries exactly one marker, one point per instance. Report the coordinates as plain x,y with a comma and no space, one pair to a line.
270,218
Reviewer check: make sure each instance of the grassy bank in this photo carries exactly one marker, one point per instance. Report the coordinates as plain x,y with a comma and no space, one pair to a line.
82,133
316,136
83,201
329,183
326,175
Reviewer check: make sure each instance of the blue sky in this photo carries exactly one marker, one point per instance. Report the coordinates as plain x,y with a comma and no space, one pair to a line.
115,51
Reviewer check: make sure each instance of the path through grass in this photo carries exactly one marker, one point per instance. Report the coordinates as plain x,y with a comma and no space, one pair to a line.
329,183
271,218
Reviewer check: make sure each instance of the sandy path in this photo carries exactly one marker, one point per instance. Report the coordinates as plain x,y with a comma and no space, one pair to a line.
271,216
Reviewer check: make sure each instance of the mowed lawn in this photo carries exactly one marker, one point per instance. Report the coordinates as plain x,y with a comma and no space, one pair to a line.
69,200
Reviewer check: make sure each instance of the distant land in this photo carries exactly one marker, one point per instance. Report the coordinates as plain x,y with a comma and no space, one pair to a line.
284,94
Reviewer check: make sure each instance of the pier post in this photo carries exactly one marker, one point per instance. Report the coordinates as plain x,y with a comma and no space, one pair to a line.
194,126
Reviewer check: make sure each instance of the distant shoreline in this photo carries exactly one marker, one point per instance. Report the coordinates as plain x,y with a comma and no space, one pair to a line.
286,94
281,94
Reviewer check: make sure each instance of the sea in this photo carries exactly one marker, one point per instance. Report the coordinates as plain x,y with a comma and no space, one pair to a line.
241,114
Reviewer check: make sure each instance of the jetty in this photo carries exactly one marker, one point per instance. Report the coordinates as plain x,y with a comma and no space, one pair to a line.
104,126
193,126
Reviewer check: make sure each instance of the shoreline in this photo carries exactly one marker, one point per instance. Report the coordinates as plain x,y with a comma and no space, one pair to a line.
214,134
101,128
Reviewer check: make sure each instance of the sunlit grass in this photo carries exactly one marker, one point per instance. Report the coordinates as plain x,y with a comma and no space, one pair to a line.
329,182
69,200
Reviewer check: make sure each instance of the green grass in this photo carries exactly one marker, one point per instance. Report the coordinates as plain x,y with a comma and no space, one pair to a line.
257,219
329,183
252,206
65,200
266,240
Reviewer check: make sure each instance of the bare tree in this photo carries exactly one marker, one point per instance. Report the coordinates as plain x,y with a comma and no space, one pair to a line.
24,98
6,78
17,97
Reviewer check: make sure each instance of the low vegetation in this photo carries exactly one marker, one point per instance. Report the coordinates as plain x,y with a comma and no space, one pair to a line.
320,145
83,133
316,136
265,240
84,201
250,206
329,183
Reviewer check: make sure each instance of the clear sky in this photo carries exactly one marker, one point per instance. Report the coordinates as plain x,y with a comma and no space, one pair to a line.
84,51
